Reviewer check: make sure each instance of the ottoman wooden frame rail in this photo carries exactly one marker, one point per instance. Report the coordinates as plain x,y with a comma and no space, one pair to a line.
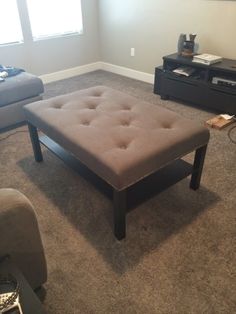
121,139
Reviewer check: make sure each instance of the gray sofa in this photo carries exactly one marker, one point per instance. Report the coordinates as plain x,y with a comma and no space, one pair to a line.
15,92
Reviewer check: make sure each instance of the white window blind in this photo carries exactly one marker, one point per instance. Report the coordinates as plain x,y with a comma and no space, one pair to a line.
50,18
10,28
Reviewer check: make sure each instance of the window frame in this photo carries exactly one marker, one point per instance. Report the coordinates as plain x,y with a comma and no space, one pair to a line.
19,28
59,35
26,28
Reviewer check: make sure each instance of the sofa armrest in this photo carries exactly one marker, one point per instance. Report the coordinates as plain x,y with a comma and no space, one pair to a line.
20,236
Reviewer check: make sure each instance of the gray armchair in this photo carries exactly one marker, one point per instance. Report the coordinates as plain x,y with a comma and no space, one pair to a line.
20,237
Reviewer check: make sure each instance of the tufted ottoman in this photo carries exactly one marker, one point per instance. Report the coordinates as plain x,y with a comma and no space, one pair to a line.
118,137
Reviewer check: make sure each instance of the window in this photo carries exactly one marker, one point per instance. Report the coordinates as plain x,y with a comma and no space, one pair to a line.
50,18
10,29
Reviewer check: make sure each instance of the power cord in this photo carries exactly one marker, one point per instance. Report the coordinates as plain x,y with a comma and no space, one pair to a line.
4,138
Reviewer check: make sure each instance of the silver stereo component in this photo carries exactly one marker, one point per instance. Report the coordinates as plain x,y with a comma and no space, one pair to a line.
223,82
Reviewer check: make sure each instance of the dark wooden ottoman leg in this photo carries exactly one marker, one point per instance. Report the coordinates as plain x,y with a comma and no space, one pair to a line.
35,142
119,203
197,167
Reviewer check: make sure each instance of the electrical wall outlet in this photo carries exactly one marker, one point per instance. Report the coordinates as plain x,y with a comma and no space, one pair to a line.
132,52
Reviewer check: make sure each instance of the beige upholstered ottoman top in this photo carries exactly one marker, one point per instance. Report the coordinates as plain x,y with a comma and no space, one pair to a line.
119,137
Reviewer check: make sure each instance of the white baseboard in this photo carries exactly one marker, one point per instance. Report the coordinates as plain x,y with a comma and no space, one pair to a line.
137,75
60,75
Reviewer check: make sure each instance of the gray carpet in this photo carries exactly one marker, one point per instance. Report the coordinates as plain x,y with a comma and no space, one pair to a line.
180,251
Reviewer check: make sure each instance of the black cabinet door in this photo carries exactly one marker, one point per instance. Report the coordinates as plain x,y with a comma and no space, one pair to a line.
222,101
181,89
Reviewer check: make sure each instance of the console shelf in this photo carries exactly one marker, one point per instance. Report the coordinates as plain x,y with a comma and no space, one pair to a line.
197,88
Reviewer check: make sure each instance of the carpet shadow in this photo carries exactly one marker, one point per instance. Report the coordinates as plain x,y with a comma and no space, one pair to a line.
89,210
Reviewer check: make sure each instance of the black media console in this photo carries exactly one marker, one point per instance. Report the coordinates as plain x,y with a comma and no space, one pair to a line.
212,86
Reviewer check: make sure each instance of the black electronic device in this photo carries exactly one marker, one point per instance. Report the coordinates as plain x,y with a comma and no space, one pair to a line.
224,82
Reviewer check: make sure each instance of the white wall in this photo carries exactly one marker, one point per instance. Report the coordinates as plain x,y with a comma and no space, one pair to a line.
51,55
112,27
152,27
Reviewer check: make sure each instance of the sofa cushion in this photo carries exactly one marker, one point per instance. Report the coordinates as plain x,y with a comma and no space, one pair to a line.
20,87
